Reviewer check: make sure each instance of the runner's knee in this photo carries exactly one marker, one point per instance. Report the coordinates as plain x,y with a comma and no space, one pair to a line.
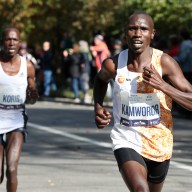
141,187
11,171
137,185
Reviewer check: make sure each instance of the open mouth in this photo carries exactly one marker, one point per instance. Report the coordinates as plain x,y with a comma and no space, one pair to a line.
137,45
137,42
11,50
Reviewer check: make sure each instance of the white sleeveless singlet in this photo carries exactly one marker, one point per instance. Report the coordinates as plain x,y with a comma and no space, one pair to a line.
142,114
12,98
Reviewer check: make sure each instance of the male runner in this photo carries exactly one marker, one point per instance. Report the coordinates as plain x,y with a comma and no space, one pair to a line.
142,133
16,85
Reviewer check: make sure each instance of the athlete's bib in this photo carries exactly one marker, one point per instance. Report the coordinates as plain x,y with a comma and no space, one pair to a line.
139,109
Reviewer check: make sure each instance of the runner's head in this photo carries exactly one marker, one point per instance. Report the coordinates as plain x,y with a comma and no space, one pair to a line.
10,41
139,31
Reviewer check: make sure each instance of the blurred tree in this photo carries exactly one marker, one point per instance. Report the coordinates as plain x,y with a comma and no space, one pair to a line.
17,13
41,20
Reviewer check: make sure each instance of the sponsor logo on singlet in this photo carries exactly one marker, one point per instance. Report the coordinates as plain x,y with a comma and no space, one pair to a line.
21,74
121,79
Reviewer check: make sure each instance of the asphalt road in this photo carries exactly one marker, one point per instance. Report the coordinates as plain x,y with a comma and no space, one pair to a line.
66,153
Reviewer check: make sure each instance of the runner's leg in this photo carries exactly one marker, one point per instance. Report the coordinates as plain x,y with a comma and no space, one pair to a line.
1,162
156,187
13,152
135,176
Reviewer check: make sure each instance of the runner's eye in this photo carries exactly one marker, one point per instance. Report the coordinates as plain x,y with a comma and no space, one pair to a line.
132,28
144,28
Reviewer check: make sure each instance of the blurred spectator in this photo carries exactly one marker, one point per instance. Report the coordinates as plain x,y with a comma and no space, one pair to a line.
160,42
174,45
66,42
184,56
75,60
163,44
39,72
85,70
47,66
65,66
100,51
24,52
117,47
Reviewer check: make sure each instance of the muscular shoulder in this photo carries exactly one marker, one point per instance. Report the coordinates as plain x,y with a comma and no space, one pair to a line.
174,73
169,65
108,69
111,61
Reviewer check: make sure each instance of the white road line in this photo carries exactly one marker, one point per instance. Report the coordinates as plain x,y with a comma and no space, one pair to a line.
91,141
69,135
181,166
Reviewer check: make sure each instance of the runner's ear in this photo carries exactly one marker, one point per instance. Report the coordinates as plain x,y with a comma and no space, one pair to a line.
153,34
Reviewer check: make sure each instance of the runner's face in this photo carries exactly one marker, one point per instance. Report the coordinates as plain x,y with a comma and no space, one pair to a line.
11,42
139,32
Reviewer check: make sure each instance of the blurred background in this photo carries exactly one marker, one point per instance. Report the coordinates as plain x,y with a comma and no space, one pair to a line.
60,37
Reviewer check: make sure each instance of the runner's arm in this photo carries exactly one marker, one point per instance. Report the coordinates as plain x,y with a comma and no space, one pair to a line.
107,72
180,90
32,94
